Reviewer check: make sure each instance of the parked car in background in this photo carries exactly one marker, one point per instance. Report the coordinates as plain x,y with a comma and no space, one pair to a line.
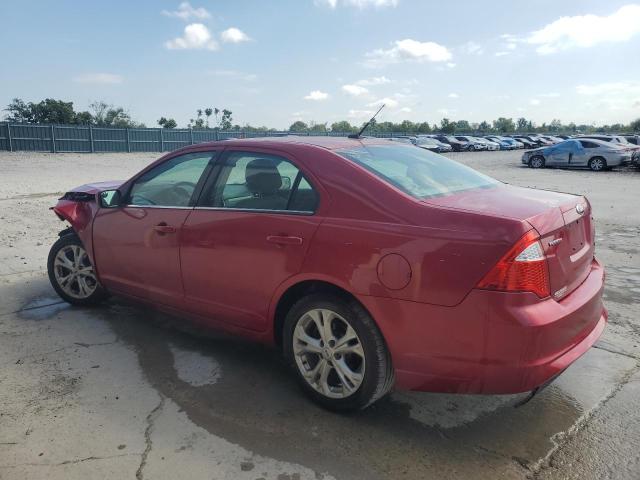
526,141
504,143
472,143
370,264
607,138
491,145
429,143
552,138
635,139
594,154
542,141
408,140
456,145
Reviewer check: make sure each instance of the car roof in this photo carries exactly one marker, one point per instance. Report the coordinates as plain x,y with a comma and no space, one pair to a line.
327,142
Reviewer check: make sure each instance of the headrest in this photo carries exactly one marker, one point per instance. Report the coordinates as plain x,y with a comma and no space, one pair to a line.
262,176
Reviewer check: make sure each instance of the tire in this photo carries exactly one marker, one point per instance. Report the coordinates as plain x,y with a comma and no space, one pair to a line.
537,161
597,164
365,359
68,260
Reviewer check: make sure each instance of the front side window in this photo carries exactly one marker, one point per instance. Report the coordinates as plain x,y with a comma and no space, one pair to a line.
172,183
417,172
257,181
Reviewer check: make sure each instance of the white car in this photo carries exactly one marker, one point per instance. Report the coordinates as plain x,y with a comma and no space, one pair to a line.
578,152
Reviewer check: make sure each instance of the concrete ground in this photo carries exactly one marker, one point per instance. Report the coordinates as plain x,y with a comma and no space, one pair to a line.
121,391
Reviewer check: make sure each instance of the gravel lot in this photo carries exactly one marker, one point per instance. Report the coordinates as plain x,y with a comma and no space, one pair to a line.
123,392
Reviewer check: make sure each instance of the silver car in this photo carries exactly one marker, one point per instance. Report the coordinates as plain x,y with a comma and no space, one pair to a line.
594,154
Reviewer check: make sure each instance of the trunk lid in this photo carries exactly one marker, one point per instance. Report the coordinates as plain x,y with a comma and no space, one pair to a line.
562,220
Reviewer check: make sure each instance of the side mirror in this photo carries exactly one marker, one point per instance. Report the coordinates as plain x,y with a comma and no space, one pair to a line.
110,199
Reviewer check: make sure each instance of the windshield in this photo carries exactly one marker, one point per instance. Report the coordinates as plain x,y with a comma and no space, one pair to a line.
425,141
417,172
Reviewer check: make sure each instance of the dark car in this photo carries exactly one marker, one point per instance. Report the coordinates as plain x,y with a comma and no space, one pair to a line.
370,264
456,145
432,144
527,141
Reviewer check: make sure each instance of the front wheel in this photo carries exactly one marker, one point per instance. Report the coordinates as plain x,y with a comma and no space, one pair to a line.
337,352
536,161
597,164
71,273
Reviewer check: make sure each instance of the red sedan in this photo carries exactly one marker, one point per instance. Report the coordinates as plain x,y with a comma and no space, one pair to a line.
371,264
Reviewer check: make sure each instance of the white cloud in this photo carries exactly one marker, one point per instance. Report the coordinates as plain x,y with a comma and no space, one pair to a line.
316,95
453,95
388,102
549,95
451,64
406,110
619,96
361,4
355,90
196,37
472,48
234,35
408,50
511,46
587,30
99,79
360,114
501,54
373,81
247,77
186,12
534,102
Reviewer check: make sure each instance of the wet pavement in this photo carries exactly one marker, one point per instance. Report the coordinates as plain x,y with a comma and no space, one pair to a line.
122,391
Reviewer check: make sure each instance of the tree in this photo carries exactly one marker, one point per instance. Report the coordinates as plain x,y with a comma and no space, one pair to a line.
342,126
226,119
635,125
318,127
424,127
167,122
298,126
46,111
521,124
208,112
463,126
504,125
447,126
106,115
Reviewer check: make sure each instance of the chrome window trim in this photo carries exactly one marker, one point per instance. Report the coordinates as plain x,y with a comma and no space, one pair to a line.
258,210
157,206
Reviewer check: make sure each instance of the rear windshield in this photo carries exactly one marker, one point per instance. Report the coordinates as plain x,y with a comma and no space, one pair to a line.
416,171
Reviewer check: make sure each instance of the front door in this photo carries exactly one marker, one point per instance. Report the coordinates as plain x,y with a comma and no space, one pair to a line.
248,234
137,244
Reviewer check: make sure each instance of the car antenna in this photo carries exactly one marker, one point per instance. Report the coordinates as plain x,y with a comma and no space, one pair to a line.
359,134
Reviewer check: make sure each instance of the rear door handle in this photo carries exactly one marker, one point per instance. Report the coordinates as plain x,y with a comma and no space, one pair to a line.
284,240
163,228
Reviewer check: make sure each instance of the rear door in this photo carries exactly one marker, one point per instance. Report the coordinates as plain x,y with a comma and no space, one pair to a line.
249,232
136,245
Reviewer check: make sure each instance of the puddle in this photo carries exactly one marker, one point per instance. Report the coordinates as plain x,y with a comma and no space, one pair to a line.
194,368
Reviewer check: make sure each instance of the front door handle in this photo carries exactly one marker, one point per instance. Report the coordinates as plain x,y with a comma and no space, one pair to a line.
284,240
163,228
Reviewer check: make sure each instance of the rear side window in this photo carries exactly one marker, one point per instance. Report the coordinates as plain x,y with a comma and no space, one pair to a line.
417,172
587,144
258,181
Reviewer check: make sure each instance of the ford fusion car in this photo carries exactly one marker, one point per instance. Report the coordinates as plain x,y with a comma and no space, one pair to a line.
505,143
371,264
578,153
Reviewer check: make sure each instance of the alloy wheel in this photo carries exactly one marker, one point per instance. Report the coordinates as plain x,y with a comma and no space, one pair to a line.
328,353
74,273
596,164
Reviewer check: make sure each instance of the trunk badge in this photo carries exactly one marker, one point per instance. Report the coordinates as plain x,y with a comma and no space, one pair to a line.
580,208
555,242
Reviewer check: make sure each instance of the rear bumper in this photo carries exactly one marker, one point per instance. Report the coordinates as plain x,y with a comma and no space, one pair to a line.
492,342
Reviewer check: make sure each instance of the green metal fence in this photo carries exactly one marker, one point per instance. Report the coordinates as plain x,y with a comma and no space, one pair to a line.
86,139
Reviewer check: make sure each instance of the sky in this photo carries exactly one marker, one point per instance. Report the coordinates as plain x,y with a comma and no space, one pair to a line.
274,62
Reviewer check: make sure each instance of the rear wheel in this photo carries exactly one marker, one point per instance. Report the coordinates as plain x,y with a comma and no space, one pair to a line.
71,273
536,161
337,352
597,164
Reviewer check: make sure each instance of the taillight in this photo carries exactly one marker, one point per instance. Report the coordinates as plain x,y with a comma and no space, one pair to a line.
522,269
